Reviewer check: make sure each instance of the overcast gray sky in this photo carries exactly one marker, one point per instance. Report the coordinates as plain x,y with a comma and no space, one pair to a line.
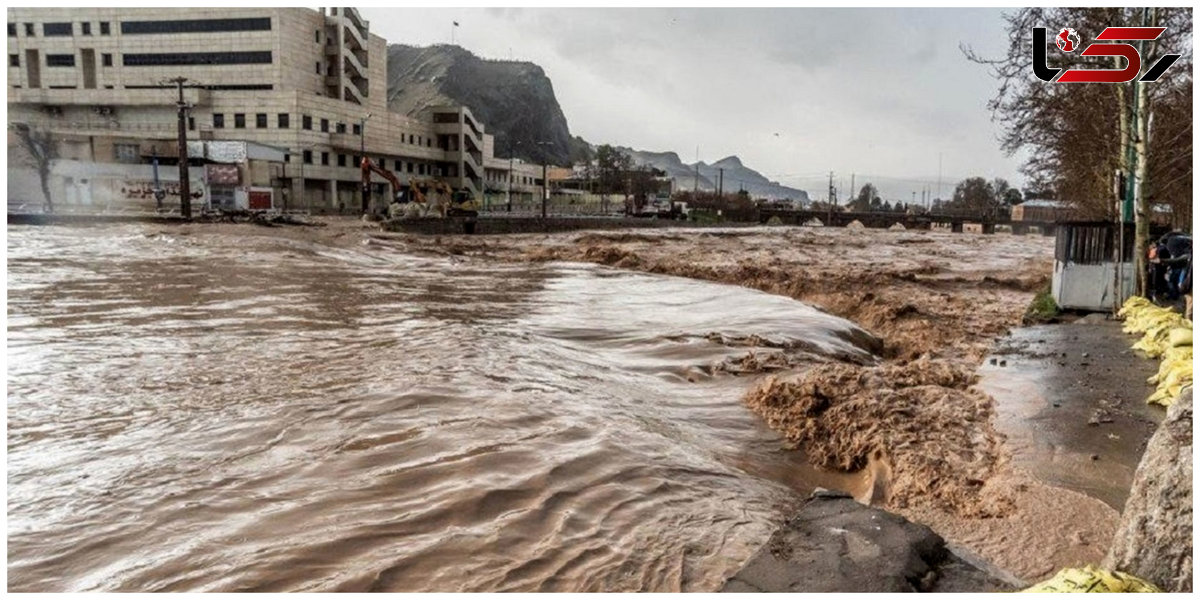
877,92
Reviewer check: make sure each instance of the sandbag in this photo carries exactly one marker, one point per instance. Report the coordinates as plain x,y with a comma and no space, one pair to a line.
1166,334
1180,336
1092,579
1174,375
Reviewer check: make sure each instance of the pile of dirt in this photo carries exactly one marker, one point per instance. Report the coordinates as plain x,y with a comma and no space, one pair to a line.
920,419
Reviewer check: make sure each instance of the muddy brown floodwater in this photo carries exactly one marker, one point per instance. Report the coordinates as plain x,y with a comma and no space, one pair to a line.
918,422
229,408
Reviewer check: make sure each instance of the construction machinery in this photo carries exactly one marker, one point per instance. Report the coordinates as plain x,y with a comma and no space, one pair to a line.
426,197
449,202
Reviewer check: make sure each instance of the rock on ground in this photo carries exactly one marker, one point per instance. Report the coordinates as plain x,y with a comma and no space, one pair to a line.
1154,538
835,544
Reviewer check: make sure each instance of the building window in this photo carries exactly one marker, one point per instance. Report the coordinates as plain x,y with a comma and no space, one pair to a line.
341,128
127,153
410,167
192,123
14,60
218,121
317,37
106,60
239,120
29,30
56,29
196,26
260,120
87,28
104,28
419,140
306,122
60,60
341,160
429,143
308,157
196,58
325,158
325,125
398,166
12,30
357,129
318,67
283,121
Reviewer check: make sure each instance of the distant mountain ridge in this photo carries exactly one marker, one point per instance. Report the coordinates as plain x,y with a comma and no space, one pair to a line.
706,177
515,101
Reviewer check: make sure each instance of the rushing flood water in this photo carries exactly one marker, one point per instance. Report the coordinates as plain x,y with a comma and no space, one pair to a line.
219,412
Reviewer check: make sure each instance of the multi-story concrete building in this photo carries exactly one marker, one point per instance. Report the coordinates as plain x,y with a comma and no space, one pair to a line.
311,83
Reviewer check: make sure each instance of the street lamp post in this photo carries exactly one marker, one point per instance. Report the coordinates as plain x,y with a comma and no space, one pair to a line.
362,155
510,174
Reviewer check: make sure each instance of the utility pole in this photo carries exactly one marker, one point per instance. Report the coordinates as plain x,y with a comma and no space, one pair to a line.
545,190
185,188
696,181
362,156
853,190
832,199
939,175
720,181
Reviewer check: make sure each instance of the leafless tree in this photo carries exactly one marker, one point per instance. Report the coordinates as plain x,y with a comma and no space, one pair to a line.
1078,136
39,143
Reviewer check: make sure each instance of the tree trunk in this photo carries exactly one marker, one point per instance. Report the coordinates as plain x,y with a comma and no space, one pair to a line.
1119,247
1141,208
44,175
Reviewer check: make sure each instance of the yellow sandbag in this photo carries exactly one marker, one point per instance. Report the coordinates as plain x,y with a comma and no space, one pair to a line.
1166,334
1092,579
1180,336
1174,375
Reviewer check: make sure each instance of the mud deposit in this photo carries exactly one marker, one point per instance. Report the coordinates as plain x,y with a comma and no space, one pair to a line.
917,427
234,408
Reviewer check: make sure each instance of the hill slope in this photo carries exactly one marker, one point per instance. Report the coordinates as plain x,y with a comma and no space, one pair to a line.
514,100
516,103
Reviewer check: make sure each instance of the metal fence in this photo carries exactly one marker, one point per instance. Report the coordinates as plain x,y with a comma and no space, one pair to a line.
556,206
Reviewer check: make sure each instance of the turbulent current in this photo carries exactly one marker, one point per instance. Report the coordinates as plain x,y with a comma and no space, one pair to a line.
220,411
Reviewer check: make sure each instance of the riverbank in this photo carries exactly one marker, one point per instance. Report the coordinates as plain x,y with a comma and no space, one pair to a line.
917,423
916,426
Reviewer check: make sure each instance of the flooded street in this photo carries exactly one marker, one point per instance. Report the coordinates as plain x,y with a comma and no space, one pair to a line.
205,411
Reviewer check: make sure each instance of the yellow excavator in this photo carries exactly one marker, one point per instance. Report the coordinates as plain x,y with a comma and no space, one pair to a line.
415,198
449,202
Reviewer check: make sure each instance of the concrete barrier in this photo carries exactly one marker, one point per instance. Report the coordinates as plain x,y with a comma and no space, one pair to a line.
502,225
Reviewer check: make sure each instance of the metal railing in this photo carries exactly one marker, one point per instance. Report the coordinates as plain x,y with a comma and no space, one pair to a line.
498,206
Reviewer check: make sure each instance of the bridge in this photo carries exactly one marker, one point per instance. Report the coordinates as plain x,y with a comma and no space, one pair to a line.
882,220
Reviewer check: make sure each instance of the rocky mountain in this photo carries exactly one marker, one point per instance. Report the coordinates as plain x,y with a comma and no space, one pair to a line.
737,175
683,174
514,99
516,103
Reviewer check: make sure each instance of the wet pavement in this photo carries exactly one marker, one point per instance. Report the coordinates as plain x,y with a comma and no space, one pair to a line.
1071,398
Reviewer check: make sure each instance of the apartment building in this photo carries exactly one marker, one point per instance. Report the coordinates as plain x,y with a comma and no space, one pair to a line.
311,83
